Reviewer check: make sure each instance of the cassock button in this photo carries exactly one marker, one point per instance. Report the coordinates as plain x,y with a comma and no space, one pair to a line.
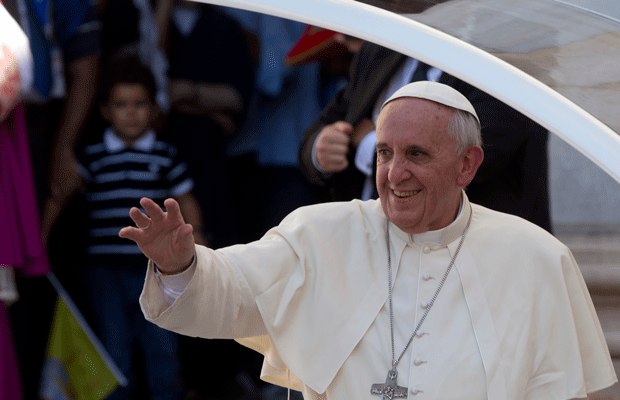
419,334
423,304
426,277
417,362
426,249
415,391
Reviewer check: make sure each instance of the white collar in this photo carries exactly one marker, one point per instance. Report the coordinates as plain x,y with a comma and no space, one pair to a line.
114,144
433,236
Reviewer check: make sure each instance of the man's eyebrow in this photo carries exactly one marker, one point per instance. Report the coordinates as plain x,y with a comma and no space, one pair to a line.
381,145
417,148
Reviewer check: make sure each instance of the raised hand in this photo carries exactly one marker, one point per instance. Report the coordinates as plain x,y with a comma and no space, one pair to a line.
163,237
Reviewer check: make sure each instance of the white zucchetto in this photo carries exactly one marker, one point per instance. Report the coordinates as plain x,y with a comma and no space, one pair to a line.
437,92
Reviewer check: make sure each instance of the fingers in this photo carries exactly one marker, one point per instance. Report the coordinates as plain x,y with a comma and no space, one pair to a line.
141,220
131,233
186,237
332,147
174,211
343,127
155,212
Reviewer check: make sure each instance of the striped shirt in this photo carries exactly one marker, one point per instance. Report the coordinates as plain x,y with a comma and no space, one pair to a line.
117,177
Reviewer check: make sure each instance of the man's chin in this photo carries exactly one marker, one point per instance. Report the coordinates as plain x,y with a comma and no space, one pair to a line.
406,223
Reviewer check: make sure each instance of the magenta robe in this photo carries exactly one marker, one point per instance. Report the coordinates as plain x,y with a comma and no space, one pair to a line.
20,236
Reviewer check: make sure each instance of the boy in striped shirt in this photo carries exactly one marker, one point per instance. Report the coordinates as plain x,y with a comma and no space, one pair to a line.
128,164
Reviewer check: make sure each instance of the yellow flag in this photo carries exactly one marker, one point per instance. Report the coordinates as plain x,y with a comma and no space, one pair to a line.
76,365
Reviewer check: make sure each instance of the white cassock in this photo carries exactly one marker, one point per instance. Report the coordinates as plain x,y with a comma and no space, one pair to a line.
514,319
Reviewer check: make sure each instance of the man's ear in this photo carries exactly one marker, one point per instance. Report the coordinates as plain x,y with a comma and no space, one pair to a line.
471,160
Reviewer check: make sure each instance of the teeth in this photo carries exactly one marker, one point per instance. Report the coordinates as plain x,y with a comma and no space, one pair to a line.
405,194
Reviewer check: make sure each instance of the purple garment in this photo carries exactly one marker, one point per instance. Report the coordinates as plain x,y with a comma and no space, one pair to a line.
10,386
20,234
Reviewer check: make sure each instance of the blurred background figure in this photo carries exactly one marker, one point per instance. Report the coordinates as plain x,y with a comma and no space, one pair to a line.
138,28
299,69
21,250
262,155
64,37
209,92
129,163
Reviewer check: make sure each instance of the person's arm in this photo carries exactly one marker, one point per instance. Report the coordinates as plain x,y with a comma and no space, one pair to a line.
333,113
51,212
53,207
81,90
163,10
190,209
212,300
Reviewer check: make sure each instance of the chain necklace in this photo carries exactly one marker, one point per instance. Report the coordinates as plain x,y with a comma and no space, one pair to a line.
390,388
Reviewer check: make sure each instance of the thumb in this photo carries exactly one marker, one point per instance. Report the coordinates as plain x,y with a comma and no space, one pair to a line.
343,127
185,237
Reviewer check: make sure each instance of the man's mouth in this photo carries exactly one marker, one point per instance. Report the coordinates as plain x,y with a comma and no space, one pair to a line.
404,194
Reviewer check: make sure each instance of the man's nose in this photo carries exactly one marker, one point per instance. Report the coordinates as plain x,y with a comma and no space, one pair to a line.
398,170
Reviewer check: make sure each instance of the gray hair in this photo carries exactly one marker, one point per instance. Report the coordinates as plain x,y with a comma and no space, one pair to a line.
464,128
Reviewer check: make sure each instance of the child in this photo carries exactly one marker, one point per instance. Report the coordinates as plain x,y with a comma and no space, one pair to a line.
130,163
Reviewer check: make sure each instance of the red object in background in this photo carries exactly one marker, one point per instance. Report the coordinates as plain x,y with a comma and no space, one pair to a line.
315,44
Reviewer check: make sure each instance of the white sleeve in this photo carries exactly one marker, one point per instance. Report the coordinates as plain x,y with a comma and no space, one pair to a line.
174,285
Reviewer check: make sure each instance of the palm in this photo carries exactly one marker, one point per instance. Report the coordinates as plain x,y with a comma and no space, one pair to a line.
167,239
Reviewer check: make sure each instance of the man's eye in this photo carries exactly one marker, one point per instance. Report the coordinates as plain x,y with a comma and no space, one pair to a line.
415,153
382,155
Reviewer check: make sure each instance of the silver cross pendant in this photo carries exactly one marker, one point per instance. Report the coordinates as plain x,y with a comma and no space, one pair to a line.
390,389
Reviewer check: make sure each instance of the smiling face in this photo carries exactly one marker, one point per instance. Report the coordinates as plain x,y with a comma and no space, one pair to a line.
419,174
129,111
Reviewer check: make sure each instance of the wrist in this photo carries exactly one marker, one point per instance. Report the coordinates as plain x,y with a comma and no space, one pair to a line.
176,271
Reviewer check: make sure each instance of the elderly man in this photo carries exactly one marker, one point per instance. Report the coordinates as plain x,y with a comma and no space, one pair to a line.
420,294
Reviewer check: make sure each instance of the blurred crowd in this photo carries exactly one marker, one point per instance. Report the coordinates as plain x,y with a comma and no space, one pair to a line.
232,112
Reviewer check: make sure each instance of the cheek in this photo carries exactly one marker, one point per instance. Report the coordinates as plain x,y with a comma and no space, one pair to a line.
146,115
382,175
118,114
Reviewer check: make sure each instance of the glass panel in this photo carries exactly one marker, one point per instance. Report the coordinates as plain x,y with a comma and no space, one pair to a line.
573,46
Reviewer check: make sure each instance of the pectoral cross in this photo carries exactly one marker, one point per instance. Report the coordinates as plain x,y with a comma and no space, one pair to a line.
390,389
